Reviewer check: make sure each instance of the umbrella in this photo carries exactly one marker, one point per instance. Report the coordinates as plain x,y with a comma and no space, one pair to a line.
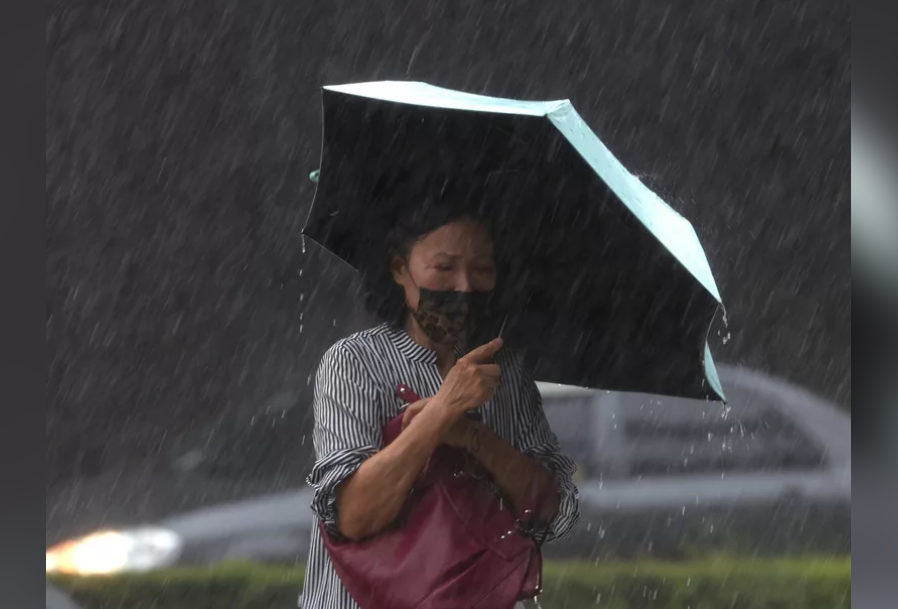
603,284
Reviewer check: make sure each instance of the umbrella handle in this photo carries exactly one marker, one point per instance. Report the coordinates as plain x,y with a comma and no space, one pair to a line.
502,327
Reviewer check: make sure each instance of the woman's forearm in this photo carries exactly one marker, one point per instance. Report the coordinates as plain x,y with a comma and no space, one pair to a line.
372,498
514,471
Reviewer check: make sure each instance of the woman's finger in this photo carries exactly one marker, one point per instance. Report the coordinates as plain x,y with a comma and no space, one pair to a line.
483,354
491,370
408,416
412,411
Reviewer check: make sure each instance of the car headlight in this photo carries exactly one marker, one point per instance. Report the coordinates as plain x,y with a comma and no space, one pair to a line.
109,552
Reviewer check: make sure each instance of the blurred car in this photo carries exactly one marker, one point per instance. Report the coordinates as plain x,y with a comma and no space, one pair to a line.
57,599
771,467
250,454
655,475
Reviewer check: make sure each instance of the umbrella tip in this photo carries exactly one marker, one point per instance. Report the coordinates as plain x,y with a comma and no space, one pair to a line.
315,175
711,375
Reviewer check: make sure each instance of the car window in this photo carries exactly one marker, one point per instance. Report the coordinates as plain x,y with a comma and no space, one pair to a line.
666,437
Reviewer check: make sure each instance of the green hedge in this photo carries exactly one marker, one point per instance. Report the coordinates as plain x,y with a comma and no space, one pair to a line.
709,584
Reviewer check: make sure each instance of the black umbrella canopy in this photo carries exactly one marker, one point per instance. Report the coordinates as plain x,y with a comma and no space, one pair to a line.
602,284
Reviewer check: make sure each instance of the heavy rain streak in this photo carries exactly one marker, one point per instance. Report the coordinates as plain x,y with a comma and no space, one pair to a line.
650,202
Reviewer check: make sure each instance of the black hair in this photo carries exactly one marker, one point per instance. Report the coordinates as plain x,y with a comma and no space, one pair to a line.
441,202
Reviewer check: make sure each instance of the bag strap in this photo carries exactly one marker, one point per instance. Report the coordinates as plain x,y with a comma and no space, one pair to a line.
405,393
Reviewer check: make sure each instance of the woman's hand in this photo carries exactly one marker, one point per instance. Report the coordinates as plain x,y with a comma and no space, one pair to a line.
472,381
413,410
463,433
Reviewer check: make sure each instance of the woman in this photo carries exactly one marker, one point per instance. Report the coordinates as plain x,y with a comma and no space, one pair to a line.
441,270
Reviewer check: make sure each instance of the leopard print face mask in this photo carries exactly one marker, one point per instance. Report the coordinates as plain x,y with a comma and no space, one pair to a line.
449,317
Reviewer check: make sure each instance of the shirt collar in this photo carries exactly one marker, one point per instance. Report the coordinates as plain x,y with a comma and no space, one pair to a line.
410,349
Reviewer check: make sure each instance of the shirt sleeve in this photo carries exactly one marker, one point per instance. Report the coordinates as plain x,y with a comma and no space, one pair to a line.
347,430
540,442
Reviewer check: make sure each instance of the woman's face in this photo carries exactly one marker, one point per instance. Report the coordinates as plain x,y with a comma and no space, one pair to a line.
456,257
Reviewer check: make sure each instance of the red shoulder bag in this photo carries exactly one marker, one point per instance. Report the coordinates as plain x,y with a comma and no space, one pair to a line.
455,546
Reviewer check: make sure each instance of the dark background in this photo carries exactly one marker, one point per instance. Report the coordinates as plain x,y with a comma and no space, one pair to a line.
180,137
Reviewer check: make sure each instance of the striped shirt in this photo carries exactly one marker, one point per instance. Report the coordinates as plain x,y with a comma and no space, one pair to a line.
354,399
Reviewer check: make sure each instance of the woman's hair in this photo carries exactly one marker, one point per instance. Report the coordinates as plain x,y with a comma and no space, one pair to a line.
439,205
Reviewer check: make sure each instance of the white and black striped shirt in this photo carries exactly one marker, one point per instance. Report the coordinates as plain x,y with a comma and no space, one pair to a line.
354,399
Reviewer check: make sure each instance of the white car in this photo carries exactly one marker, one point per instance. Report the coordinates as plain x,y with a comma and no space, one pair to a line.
652,468
771,438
